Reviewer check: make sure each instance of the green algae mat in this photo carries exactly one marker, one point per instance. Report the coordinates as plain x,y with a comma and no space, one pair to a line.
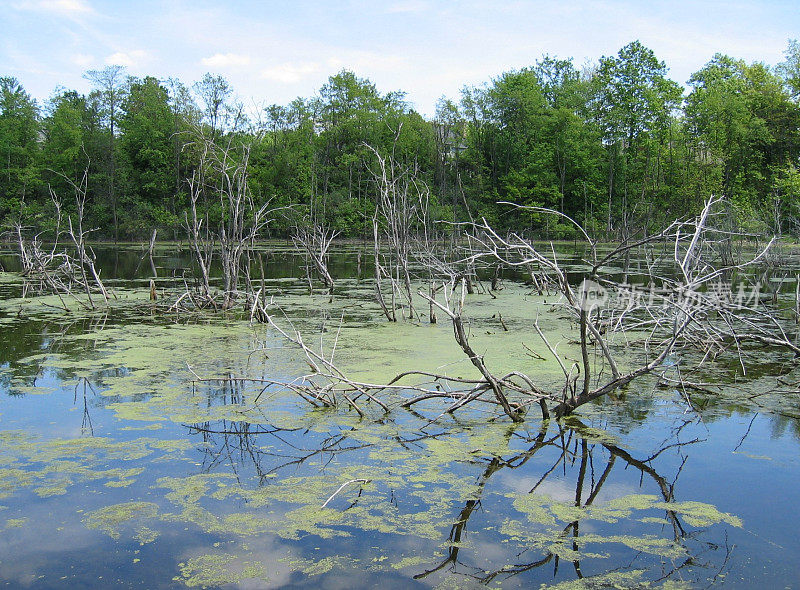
147,450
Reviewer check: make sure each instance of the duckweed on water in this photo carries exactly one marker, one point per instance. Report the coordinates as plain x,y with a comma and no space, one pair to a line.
219,569
633,579
51,467
145,535
433,491
112,519
544,510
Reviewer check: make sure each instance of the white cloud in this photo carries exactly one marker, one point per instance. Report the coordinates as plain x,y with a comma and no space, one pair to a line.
130,59
335,63
82,60
407,6
290,73
225,60
56,6
420,46
66,5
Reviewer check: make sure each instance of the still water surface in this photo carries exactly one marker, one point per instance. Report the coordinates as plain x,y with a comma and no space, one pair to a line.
119,468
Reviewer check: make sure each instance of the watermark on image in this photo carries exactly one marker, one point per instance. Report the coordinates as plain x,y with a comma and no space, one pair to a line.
713,294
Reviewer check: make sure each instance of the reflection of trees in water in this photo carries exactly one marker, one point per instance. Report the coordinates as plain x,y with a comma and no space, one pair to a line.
23,339
87,390
775,398
261,449
572,448
554,456
780,424
240,447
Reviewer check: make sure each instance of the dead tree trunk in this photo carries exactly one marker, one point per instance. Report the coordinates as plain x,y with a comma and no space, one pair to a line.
62,272
686,311
689,319
315,240
236,223
400,197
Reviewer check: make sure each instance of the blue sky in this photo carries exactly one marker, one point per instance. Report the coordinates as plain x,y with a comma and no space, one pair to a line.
272,52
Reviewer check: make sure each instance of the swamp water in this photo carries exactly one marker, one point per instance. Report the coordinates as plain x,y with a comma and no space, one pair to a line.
120,468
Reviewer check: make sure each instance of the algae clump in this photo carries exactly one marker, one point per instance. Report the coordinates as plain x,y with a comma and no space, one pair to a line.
111,519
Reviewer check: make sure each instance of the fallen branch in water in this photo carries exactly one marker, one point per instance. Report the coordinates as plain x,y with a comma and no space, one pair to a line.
344,485
329,383
687,316
688,305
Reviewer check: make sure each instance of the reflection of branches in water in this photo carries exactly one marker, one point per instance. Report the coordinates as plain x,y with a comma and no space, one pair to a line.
571,449
236,444
459,527
86,424
232,443
267,449
23,339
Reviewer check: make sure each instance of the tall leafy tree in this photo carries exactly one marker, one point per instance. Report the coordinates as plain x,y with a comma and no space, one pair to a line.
576,139
146,144
529,141
66,128
282,159
743,120
790,68
349,113
524,149
214,94
19,127
449,129
606,144
634,103
110,88
186,116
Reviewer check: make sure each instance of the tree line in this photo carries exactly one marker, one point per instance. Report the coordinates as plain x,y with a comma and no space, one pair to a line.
617,146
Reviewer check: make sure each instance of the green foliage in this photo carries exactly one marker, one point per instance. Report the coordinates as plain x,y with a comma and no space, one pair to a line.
633,103
743,119
614,146
19,125
65,130
790,69
107,98
348,117
634,96
214,93
147,155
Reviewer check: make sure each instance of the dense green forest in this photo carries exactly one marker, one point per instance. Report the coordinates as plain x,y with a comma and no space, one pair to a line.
617,145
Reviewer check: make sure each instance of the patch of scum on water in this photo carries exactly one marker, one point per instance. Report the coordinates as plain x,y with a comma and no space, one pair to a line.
414,490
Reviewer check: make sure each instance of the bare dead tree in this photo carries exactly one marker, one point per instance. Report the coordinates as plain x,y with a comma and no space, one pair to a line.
153,270
389,310
61,270
315,239
148,252
687,317
690,309
232,228
201,238
90,274
425,245
400,197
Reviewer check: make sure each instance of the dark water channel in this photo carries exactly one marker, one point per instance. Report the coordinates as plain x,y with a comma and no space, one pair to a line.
134,455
